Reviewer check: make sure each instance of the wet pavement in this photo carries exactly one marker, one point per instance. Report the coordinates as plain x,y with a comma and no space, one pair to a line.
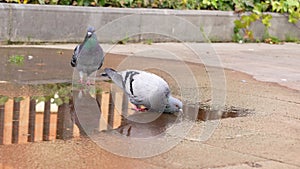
260,126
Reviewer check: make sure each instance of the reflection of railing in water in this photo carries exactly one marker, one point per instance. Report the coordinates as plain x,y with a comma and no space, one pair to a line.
20,122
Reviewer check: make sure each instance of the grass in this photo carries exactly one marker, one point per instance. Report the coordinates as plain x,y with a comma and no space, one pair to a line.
289,38
16,59
148,41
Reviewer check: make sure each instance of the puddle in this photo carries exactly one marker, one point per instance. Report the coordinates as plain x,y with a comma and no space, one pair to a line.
6,166
37,102
53,111
33,114
205,113
38,64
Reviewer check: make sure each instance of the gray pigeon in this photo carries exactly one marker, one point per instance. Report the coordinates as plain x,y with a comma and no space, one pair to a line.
88,56
145,89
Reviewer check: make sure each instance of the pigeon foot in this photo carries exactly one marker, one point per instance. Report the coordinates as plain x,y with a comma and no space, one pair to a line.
80,81
89,83
140,109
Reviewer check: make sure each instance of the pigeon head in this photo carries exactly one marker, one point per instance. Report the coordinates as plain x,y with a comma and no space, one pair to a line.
174,105
90,31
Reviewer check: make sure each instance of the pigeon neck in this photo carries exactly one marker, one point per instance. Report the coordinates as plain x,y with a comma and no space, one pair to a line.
89,41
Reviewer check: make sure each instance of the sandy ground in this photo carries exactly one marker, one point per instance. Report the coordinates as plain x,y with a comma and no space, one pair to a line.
269,138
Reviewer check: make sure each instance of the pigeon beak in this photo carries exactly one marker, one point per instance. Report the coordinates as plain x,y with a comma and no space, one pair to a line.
89,34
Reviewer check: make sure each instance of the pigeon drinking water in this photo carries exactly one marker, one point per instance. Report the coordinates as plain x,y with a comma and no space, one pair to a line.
145,89
88,56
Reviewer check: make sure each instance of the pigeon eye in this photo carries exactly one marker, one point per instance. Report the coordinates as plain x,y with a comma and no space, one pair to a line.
176,105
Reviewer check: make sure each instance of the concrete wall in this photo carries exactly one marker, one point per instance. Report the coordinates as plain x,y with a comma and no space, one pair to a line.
44,23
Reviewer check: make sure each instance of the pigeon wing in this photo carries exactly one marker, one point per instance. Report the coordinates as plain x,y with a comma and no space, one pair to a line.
146,89
158,100
101,54
75,56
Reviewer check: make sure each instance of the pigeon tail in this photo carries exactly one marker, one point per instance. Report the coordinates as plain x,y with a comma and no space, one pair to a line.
115,77
75,56
110,72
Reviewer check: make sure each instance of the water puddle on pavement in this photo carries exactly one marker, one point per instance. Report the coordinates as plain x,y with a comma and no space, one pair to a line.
205,113
54,111
57,111
38,103
6,166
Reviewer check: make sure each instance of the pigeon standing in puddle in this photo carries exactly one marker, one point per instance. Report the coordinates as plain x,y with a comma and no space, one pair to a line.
145,89
88,56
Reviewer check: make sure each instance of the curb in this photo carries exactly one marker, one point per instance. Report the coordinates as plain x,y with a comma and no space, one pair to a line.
67,24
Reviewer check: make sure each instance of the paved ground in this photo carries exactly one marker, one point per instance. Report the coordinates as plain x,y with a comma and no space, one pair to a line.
268,139
272,63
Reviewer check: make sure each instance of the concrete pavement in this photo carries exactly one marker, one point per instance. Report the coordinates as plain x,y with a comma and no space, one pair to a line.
265,62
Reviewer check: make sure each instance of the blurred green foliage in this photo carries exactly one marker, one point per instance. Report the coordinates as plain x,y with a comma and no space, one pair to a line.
281,6
259,13
58,93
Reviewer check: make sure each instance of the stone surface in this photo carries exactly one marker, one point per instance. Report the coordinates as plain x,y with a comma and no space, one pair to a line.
53,23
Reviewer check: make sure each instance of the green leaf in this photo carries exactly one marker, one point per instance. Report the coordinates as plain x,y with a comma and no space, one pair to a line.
257,9
67,100
292,19
266,20
276,6
102,2
18,99
236,29
239,24
40,99
80,2
249,34
246,20
214,3
294,16
3,99
206,2
58,101
291,3
42,2
254,17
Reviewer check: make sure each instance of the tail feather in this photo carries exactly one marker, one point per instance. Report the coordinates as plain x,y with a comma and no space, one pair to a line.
110,72
115,77
75,56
